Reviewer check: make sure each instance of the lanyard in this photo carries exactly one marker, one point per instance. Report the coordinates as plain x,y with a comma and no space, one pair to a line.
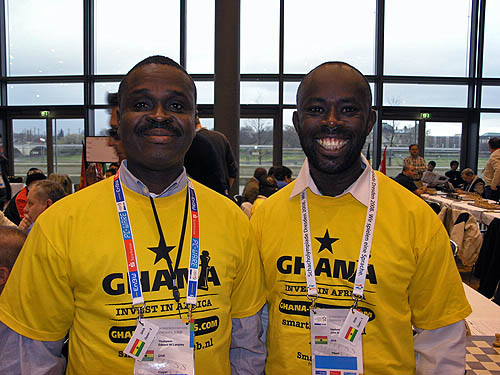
130,252
366,243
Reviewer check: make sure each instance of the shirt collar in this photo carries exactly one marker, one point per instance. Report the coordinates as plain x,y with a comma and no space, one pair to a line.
359,188
136,185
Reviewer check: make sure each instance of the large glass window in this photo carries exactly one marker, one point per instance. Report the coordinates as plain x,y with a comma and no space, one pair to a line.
259,36
323,30
397,135
488,129
425,95
102,89
259,93
293,156
30,145
200,36
256,146
45,93
68,135
44,37
491,68
426,37
490,97
127,31
442,144
204,92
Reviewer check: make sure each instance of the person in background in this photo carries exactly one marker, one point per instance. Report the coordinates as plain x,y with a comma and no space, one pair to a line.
251,189
317,223
454,175
11,242
15,209
472,183
417,161
431,165
5,190
114,139
225,155
491,172
42,195
64,180
283,176
267,187
407,179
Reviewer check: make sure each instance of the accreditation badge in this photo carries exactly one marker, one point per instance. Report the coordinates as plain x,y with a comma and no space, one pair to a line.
331,353
172,350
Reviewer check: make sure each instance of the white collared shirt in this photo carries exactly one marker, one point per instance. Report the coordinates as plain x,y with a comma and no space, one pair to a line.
359,189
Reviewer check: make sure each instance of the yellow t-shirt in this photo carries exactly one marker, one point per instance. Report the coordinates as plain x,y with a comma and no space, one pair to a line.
411,277
72,276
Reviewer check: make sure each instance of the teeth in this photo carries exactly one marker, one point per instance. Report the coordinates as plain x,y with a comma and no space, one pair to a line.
331,144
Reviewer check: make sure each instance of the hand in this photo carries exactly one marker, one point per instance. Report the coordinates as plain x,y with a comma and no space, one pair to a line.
92,175
25,223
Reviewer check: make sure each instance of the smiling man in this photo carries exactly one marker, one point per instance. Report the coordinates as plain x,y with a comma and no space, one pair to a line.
349,237
74,276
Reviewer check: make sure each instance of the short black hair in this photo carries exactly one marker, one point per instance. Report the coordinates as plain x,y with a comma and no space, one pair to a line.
432,162
113,99
282,172
494,143
367,88
453,162
410,146
156,59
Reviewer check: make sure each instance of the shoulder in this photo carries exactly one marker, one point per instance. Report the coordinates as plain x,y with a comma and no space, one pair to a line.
217,204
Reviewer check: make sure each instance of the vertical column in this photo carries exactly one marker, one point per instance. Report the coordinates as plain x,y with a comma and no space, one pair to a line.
227,74
49,142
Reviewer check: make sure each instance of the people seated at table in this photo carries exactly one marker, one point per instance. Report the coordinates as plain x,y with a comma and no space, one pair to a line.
472,183
431,178
454,174
251,189
406,179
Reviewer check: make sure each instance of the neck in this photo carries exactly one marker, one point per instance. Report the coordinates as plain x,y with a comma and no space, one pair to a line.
156,180
334,184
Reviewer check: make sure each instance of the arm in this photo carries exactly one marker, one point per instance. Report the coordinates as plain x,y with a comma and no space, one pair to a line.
24,356
248,351
441,351
495,163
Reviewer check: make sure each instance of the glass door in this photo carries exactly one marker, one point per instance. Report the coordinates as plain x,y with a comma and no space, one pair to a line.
442,144
397,136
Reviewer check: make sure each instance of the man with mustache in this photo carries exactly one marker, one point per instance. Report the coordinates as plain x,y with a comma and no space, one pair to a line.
131,247
352,242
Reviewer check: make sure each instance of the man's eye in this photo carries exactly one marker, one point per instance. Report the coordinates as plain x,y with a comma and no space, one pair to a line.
176,106
349,109
141,105
316,110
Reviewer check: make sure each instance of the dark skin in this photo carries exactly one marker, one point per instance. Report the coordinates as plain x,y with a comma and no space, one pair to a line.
333,118
157,123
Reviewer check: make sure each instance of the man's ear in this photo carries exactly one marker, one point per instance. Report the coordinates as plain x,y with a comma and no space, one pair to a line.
49,203
4,275
372,119
295,120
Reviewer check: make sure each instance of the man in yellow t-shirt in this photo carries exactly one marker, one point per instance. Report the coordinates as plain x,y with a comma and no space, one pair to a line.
411,276
71,276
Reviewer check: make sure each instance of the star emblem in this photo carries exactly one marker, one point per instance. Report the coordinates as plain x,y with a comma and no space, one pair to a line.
326,242
162,251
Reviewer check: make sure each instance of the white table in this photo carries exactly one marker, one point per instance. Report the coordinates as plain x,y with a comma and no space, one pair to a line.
485,317
482,215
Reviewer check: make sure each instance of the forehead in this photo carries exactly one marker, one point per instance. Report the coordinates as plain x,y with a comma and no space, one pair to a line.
334,81
158,78
414,147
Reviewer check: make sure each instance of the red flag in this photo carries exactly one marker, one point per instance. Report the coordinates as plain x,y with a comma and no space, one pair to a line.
383,162
83,178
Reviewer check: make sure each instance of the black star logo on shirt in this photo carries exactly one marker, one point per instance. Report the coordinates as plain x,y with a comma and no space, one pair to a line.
326,242
162,251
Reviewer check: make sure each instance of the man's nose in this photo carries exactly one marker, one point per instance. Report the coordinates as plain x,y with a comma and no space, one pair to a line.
331,117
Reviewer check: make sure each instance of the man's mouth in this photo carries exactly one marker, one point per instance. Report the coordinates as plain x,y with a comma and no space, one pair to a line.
331,144
159,135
